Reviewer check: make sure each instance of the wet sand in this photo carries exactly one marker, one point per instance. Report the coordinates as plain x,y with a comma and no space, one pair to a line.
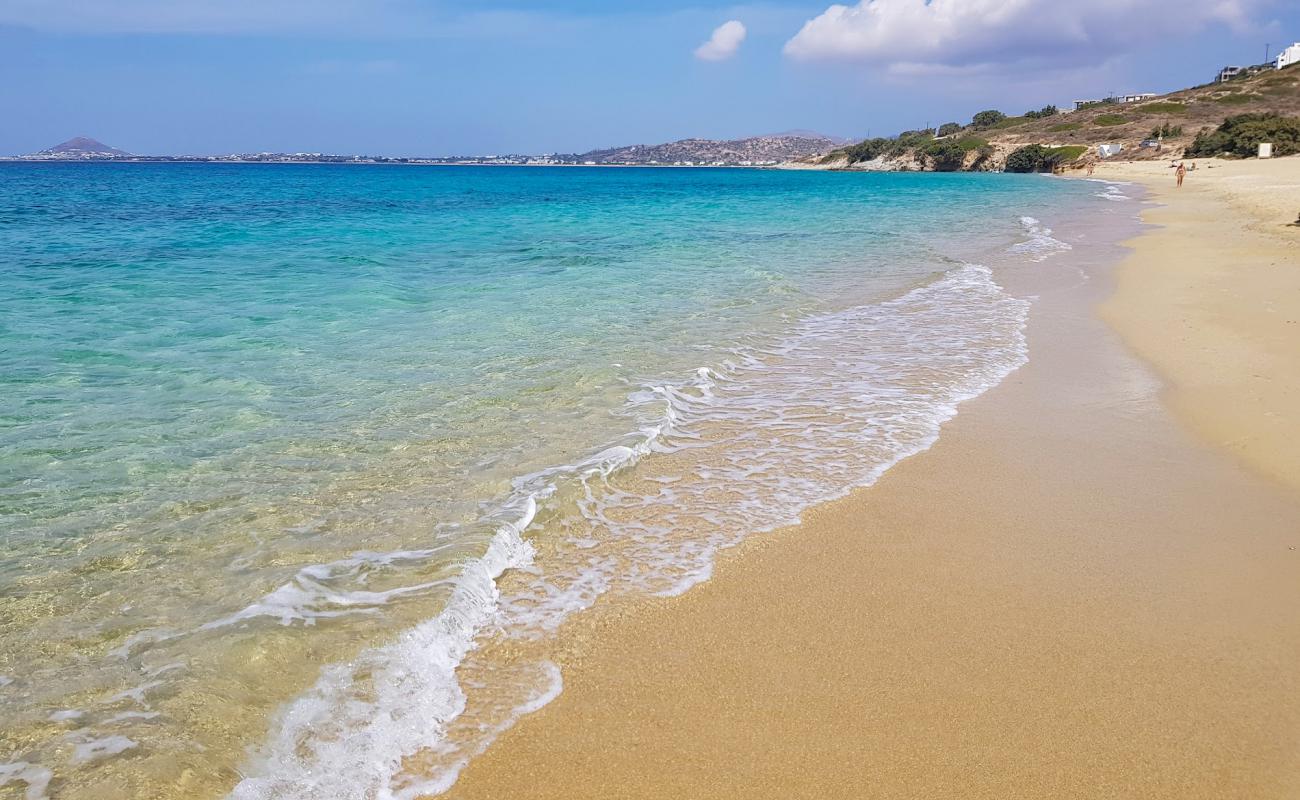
1070,595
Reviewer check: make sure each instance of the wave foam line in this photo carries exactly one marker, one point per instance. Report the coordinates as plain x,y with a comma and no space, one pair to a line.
347,736
736,450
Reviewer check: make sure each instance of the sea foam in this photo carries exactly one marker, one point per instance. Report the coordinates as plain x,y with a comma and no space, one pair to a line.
1040,245
741,447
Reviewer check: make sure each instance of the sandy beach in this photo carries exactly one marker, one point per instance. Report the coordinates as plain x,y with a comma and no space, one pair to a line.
1089,587
1223,270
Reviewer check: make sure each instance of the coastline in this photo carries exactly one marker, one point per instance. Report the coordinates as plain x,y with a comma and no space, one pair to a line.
1067,595
1223,333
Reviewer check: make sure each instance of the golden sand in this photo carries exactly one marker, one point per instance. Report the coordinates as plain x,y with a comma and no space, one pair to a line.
1069,596
1212,299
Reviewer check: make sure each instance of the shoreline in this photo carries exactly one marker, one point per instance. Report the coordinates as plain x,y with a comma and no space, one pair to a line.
1098,605
1224,335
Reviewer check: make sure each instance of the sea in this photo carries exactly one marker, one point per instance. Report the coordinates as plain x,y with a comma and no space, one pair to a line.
305,468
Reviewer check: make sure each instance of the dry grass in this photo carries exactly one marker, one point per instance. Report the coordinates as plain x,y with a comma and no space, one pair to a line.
1191,109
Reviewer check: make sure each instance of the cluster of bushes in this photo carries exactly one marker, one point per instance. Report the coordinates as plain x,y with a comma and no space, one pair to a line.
870,149
944,155
1110,120
949,128
987,119
1241,136
1036,158
865,150
1166,131
1042,113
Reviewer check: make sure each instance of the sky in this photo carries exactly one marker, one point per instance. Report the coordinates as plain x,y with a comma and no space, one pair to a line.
461,77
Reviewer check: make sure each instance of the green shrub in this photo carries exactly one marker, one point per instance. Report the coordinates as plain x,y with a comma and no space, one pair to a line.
865,150
944,156
1042,113
1066,126
949,128
1036,158
1241,136
1163,108
908,141
969,143
1110,120
1166,131
987,119
1235,99
1029,158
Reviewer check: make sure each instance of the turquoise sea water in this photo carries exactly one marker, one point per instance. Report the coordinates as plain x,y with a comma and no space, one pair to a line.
287,453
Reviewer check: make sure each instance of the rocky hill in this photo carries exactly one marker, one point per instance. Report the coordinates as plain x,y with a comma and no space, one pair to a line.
79,148
754,150
1173,119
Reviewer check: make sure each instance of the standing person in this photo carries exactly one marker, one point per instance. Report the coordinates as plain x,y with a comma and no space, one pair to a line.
1182,173
1091,167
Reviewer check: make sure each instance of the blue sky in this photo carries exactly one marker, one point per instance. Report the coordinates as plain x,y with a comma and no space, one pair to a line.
441,77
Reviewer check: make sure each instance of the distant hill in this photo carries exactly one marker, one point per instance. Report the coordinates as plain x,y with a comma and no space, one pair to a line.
754,150
80,147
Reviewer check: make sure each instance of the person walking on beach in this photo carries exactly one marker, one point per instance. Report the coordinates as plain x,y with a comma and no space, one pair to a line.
1182,173
1091,166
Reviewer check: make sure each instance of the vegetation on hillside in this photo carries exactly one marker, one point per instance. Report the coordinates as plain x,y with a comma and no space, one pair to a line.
1241,136
944,155
987,119
1036,158
1163,108
1009,122
1048,137
1235,99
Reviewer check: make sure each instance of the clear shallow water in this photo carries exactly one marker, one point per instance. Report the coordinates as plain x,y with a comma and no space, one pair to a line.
311,460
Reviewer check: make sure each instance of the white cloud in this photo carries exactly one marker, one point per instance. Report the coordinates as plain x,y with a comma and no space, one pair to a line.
912,36
724,42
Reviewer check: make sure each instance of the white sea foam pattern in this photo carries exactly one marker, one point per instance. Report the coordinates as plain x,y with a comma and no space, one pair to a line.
34,777
1040,245
733,450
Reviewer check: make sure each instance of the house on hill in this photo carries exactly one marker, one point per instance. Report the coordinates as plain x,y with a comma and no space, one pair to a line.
1289,56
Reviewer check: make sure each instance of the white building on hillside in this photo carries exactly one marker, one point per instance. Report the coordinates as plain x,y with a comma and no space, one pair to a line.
1289,56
